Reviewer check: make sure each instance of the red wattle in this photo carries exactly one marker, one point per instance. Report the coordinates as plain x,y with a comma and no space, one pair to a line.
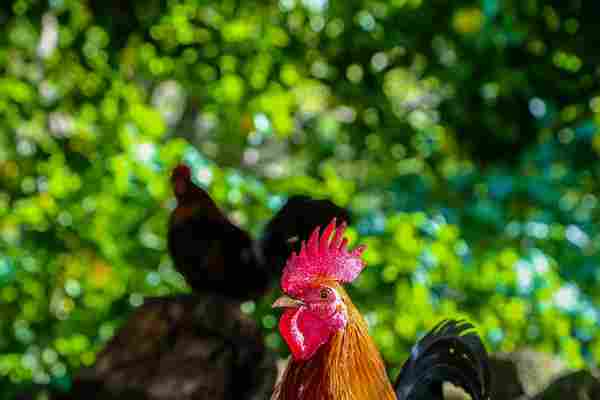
303,332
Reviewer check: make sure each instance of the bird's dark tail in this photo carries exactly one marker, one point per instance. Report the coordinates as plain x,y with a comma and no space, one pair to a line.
450,352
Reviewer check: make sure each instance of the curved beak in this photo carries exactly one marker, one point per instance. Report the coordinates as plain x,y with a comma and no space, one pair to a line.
287,302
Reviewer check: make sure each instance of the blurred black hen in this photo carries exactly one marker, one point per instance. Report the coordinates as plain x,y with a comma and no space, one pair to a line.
294,223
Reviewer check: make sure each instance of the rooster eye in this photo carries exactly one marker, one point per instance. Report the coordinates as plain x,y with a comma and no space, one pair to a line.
324,293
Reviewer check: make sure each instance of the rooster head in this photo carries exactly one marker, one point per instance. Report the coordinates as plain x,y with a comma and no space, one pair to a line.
314,301
181,177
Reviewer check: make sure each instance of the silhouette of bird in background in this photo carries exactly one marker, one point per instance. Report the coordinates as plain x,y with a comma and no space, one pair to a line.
294,222
212,253
216,256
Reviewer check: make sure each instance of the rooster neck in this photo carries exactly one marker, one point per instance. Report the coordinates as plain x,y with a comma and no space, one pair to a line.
196,202
348,367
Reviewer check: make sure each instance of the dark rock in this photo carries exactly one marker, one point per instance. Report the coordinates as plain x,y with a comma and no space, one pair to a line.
537,369
523,373
506,383
579,385
186,347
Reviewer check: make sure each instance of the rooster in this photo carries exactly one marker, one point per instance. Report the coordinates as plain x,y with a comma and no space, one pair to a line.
216,256
333,356
212,253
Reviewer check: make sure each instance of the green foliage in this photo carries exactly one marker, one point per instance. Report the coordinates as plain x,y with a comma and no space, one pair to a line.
463,135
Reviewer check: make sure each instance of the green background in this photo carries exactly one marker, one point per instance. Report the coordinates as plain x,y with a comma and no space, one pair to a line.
463,135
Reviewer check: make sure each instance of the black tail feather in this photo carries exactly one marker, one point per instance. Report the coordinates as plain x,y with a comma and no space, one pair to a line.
450,352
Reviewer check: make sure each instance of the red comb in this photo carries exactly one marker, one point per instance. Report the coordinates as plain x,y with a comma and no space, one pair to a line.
323,258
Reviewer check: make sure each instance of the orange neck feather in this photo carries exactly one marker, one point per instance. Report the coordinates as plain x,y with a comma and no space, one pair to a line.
348,367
